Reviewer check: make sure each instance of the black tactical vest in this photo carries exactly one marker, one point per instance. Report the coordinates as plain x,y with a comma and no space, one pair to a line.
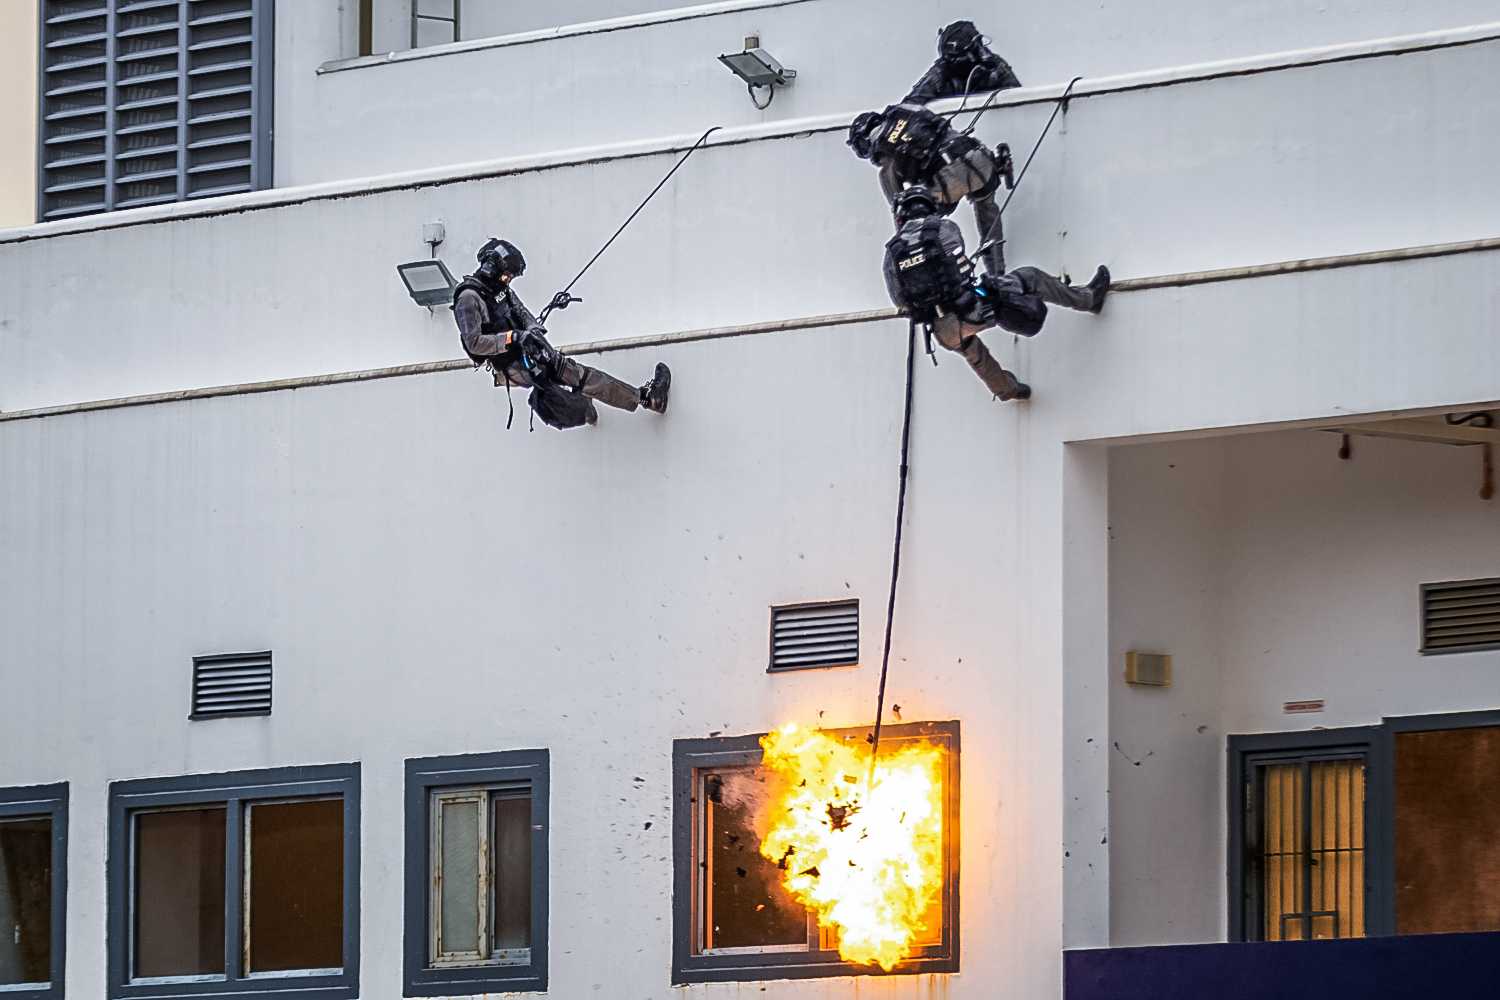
929,276
911,137
497,321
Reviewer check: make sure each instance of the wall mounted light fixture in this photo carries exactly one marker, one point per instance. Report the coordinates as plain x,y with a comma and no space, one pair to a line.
758,68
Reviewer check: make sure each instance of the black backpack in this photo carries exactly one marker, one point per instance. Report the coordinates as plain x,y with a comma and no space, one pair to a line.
559,406
912,137
928,276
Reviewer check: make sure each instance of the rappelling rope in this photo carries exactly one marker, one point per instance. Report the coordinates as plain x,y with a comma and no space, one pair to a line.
890,607
1062,102
624,225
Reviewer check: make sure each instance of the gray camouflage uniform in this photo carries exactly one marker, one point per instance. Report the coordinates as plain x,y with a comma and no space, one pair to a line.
471,312
957,327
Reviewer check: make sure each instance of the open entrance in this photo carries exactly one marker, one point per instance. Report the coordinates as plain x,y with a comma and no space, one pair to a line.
1324,731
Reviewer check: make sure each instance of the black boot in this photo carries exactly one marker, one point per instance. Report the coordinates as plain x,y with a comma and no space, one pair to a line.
654,393
1099,285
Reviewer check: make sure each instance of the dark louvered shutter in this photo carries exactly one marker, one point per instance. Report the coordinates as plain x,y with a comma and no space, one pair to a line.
231,684
152,101
814,635
1461,616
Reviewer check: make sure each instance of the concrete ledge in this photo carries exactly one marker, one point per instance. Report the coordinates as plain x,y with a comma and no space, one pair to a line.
1126,285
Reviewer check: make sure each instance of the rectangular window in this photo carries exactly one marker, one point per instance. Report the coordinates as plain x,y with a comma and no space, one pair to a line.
733,919
237,884
151,101
33,890
476,867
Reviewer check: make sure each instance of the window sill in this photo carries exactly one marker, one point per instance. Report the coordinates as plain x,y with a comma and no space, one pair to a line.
548,34
243,989
806,965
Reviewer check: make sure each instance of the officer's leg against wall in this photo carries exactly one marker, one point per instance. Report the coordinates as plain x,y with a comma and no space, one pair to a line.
1050,289
962,338
599,385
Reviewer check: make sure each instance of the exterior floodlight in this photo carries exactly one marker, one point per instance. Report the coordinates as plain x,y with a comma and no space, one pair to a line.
758,68
428,282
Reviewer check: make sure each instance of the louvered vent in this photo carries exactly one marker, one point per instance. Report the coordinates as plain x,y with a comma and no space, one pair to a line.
152,101
1461,616
231,684
814,635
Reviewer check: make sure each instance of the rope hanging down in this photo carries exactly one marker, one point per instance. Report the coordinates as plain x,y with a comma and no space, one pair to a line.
890,607
562,298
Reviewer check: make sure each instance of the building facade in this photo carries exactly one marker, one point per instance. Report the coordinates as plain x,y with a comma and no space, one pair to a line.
316,679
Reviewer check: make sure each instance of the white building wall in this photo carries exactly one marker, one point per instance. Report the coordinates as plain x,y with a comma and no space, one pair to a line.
1272,572
594,88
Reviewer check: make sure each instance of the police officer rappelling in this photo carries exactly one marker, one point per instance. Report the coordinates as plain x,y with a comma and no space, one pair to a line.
929,275
914,146
498,331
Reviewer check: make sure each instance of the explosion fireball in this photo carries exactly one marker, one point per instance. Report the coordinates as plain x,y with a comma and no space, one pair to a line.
868,861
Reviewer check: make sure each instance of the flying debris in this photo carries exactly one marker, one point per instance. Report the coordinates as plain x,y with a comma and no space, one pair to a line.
869,856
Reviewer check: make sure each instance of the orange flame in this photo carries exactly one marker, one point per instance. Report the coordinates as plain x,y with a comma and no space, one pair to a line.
868,863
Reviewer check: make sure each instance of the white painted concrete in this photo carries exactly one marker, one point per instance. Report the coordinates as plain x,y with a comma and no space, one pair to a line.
1273,572
664,79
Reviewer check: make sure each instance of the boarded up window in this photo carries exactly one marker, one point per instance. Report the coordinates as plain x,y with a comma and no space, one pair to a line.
1448,831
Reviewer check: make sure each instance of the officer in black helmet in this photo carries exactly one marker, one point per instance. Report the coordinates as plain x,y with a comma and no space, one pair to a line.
965,65
498,330
913,146
929,275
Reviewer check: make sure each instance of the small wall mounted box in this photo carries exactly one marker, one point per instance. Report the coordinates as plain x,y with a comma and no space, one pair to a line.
1148,669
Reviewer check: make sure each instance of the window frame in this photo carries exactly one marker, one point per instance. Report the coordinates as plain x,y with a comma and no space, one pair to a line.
36,802
748,965
427,777
1249,752
237,792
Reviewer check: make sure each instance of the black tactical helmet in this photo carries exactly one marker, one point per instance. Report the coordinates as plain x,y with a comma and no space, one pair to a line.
960,41
499,257
915,202
862,133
